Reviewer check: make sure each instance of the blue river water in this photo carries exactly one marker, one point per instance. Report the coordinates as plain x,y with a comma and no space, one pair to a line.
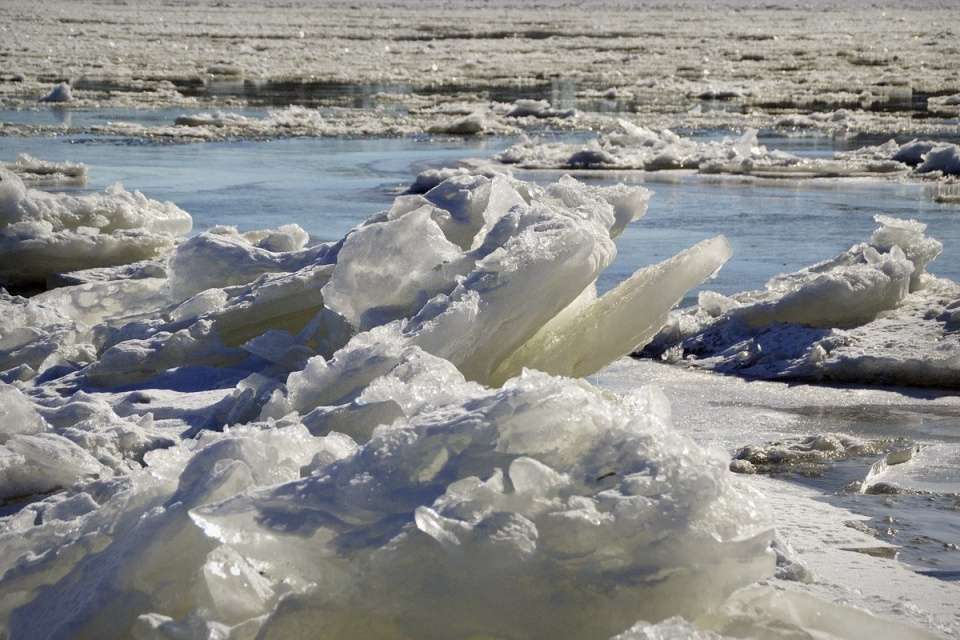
328,185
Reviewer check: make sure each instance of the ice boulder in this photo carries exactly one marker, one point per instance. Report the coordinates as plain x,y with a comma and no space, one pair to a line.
41,463
852,288
543,509
59,94
944,158
36,336
454,265
140,548
222,257
928,156
373,380
17,414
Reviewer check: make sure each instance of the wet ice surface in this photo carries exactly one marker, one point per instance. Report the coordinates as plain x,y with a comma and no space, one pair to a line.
828,438
257,434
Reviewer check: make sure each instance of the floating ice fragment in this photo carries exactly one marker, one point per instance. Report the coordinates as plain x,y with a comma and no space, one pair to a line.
525,108
944,158
635,147
60,93
912,152
472,124
225,70
36,172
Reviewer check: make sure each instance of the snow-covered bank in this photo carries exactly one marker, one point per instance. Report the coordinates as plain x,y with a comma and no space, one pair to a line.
256,438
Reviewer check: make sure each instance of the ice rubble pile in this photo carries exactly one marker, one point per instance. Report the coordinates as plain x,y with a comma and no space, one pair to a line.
342,441
636,147
870,315
445,270
542,509
42,234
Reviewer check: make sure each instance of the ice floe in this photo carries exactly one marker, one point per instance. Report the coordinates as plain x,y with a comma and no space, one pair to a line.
870,315
717,62
36,172
479,118
635,147
43,233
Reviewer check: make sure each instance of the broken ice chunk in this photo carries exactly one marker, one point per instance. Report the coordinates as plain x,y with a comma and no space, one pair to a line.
621,321
42,233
